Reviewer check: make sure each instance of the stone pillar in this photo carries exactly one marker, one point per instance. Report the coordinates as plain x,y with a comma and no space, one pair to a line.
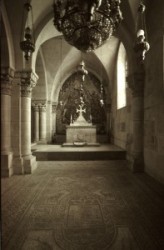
42,123
54,108
136,83
36,122
49,121
16,125
108,119
28,81
7,75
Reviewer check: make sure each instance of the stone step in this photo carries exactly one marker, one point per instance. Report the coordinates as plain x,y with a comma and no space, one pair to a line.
79,155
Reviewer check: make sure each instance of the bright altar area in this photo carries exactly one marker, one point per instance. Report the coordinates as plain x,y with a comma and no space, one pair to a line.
81,132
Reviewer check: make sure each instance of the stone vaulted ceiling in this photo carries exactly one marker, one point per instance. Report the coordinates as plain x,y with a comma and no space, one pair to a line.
54,59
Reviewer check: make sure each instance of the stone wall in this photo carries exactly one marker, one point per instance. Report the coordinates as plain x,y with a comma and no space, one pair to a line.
121,133
121,122
154,94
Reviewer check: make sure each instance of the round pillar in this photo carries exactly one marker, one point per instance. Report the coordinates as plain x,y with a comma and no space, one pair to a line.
49,121
54,108
28,81
36,123
108,125
42,136
7,75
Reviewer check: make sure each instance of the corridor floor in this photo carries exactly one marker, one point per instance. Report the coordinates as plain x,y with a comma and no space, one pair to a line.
85,205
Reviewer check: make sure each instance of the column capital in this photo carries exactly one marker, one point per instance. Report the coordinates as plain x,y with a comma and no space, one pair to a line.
49,102
54,107
136,82
42,107
7,75
28,80
39,102
35,107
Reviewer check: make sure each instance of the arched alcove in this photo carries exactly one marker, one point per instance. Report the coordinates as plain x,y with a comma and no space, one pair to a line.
69,100
4,47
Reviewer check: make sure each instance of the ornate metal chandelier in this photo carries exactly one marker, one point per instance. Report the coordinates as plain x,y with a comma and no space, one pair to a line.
87,24
28,43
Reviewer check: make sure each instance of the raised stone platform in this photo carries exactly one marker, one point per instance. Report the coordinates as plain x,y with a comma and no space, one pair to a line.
80,144
74,153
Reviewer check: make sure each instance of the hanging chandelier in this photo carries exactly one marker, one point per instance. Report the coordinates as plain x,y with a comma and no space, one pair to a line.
82,70
87,24
28,43
141,46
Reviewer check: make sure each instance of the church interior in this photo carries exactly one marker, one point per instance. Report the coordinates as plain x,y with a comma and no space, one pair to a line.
82,125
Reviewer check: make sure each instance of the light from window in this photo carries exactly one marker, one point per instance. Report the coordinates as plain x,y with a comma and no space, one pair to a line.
121,77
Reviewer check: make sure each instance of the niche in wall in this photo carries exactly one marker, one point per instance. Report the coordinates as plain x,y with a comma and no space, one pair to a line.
69,95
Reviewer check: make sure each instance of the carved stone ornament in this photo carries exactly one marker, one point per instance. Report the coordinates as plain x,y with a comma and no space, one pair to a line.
28,80
42,107
35,107
54,107
136,83
41,104
7,75
38,102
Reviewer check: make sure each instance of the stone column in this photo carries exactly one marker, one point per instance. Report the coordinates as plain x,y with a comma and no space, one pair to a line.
108,119
28,81
36,122
7,75
42,123
49,121
16,125
136,83
54,108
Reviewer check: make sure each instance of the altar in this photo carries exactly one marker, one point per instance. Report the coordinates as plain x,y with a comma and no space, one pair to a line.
86,134
81,132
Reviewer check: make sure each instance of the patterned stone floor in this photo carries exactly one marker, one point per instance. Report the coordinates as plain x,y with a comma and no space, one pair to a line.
96,205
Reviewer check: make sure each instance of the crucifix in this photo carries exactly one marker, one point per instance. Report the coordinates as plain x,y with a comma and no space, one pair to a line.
81,110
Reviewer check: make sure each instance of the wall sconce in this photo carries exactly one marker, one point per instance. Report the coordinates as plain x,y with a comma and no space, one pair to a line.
28,43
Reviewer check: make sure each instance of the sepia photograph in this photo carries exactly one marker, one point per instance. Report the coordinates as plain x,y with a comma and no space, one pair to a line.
82,124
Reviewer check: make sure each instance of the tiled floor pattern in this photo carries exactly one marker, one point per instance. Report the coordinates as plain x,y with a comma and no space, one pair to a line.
94,205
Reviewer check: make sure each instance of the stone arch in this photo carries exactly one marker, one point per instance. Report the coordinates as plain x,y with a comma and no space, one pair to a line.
46,30
69,101
7,48
40,91
67,72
